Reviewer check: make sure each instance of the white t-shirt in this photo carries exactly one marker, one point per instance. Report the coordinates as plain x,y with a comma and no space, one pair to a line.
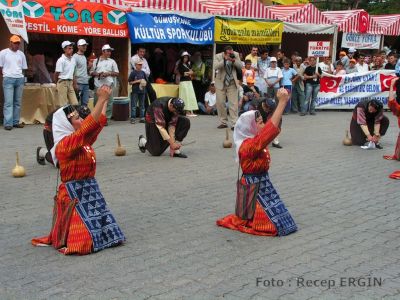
66,67
272,75
104,65
210,98
362,68
326,68
13,63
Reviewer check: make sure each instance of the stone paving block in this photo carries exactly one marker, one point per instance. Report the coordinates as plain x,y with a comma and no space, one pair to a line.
348,218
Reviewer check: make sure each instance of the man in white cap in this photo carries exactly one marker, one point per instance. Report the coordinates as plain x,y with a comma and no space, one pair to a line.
12,64
81,72
64,75
105,70
139,56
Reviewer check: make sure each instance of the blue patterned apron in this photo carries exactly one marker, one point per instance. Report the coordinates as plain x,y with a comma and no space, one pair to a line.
270,201
94,212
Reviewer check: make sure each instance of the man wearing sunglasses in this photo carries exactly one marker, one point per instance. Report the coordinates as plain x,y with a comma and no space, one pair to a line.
12,64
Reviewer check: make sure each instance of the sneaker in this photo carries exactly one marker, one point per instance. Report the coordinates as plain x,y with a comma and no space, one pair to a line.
133,121
379,146
141,148
40,160
181,155
7,127
302,114
277,146
313,113
222,126
20,125
141,120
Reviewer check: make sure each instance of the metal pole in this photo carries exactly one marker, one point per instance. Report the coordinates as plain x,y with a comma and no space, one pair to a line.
213,57
334,47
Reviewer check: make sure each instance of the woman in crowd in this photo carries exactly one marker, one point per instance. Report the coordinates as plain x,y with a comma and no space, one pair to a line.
394,105
82,222
368,124
186,91
266,214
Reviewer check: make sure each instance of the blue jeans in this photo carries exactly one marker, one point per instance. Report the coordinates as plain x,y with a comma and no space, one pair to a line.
83,90
311,94
12,89
202,108
135,98
288,105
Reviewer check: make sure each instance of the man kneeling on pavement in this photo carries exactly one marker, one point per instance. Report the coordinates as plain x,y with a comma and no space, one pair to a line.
165,127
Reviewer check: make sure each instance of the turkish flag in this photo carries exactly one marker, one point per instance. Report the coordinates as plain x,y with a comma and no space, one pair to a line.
386,81
329,84
363,22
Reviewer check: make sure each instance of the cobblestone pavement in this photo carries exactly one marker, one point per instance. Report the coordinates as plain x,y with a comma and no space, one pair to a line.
346,207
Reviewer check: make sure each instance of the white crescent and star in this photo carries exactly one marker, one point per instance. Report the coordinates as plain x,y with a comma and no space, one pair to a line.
334,85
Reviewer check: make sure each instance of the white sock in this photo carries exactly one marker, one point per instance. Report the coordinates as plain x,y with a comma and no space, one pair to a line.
177,151
142,142
42,152
275,141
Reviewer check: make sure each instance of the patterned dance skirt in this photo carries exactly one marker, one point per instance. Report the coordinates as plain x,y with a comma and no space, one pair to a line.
82,222
271,217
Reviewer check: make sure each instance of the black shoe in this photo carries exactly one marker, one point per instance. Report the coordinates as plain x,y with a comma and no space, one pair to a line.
141,148
20,125
313,113
277,145
222,126
141,121
233,128
181,155
302,114
379,146
7,127
40,160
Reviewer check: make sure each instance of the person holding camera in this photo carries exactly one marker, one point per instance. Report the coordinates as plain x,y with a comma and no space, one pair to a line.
227,65
105,70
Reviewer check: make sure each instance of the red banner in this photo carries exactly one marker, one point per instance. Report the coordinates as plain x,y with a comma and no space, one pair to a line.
77,18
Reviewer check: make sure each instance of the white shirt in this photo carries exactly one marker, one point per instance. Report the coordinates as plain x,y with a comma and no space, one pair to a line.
362,68
326,68
13,63
145,66
104,65
81,68
66,67
210,98
271,75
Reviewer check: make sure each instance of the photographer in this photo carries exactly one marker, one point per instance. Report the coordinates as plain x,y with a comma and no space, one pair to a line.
226,65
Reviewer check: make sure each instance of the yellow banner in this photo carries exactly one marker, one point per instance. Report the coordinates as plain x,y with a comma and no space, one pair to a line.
231,31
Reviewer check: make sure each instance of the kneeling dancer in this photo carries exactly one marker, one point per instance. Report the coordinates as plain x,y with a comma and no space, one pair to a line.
368,124
165,127
82,222
259,209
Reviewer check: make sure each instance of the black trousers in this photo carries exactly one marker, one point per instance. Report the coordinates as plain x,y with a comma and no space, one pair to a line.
49,141
155,143
357,135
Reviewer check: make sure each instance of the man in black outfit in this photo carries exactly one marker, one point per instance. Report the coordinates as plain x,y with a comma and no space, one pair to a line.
165,127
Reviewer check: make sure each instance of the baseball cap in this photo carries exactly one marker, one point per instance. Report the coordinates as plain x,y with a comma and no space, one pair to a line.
15,39
342,53
66,44
185,53
178,104
107,47
82,42
212,83
352,50
353,61
273,59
